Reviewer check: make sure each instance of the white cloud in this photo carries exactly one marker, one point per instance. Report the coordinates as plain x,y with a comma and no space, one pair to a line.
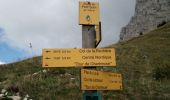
1,63
54,23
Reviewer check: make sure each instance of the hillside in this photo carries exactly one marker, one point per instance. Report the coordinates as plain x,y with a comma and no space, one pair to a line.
144,62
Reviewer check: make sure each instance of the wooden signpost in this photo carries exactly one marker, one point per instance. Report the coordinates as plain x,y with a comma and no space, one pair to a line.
88,57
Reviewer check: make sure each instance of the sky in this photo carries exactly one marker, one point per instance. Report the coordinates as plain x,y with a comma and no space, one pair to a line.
1,63
54,24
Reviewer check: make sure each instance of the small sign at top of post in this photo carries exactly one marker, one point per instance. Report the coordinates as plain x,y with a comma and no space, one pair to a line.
88,13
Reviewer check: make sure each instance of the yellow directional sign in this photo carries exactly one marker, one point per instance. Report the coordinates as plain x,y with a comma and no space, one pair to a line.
88,13
98,34
97,80
78,57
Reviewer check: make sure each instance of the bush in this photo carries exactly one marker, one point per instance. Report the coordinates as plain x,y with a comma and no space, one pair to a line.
62,71
141,33
162,72
161,24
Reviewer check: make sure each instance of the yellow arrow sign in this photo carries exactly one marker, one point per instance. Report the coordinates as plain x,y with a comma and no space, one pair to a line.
78,57
97,80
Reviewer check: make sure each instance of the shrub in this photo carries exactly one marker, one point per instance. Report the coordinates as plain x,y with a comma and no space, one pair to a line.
141,33
162,72
62,71
161,24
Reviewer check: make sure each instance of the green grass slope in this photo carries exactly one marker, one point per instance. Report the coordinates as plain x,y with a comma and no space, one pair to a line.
143,61
28,77
145,65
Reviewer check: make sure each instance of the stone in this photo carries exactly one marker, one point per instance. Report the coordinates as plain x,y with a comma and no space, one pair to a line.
15,97
1,95
6,93
27,96
148,15
72,78
44,71
3,91
18,94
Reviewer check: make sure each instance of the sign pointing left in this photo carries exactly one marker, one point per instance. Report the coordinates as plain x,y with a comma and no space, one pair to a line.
78,57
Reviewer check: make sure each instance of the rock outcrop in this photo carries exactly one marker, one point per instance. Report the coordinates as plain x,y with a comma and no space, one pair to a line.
149,14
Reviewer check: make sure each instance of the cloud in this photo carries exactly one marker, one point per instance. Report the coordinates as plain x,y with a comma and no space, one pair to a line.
54,23
1,63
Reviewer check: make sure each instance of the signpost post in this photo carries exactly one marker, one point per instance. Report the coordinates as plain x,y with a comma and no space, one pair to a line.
88,41
88,18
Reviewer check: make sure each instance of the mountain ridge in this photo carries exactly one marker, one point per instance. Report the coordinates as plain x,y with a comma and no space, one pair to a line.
149,14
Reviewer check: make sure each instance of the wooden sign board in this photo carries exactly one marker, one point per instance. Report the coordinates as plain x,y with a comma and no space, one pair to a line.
88,13
98,80
78,57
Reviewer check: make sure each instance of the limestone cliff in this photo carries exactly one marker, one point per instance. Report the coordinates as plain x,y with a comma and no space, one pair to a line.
148,15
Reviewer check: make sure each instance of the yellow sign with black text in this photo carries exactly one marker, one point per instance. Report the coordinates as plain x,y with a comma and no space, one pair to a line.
78,57
98,80
88,13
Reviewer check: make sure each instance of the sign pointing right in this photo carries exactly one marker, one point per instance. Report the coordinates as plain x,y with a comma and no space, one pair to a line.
98,80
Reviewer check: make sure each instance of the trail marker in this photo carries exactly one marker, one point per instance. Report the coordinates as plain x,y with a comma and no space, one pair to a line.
78,57
88,13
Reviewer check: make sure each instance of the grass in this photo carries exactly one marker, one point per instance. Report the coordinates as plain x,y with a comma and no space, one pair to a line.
54,84
143,61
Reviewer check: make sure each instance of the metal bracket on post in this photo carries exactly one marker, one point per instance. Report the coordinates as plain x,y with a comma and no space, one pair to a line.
92,96
98,34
